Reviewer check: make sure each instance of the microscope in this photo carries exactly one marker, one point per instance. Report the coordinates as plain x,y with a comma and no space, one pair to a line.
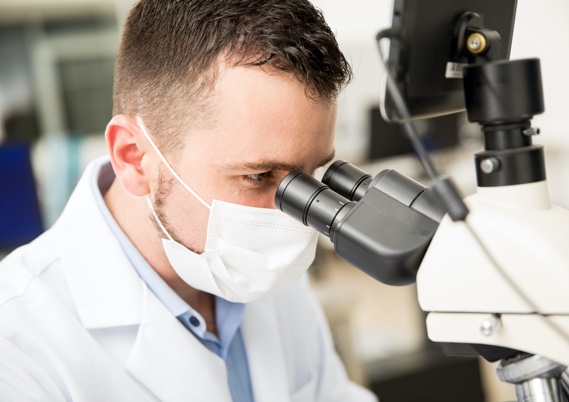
492,270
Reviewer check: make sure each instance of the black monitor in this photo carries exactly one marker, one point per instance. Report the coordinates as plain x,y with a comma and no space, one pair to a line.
20,216
420,56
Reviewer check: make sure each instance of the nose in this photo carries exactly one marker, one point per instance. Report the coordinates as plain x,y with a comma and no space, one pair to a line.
268,201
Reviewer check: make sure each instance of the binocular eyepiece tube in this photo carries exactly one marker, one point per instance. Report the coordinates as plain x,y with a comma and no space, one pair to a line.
316,204
382,225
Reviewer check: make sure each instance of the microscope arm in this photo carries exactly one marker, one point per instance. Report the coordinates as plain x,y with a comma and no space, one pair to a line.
470,302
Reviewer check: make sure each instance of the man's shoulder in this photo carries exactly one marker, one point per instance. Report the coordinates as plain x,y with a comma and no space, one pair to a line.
298,293
19,268
77,228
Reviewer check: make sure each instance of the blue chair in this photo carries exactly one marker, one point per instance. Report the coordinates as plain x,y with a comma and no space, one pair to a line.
20,215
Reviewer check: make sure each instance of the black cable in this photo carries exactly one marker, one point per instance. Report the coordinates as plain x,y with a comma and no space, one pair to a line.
404,113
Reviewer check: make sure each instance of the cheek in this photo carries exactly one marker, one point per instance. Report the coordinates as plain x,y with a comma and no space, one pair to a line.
264,199
186,218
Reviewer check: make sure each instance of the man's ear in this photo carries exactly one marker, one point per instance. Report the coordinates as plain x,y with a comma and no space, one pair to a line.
126,149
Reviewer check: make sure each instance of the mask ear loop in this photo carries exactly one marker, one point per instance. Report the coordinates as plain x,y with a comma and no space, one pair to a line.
200,199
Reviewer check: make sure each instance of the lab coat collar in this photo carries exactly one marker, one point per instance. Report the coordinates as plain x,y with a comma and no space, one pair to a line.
105,287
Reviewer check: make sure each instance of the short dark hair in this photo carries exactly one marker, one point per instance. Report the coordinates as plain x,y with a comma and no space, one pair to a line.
170,49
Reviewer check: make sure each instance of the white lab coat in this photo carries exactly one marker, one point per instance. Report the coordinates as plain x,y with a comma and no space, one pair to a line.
77,323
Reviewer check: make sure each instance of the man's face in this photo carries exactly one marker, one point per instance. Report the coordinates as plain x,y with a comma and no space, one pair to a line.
263,127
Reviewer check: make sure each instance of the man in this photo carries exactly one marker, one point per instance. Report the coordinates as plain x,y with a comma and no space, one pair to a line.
170,275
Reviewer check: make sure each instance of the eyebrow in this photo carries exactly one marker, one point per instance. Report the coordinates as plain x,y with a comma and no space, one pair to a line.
274,165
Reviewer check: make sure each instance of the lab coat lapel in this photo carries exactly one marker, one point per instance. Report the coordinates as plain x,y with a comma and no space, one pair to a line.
171,362
267,363
104,285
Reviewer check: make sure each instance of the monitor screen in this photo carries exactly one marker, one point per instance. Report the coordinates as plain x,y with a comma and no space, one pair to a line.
387,140
20,217
419,58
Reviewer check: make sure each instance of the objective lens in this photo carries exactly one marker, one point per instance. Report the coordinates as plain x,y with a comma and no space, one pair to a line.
309,201
347,180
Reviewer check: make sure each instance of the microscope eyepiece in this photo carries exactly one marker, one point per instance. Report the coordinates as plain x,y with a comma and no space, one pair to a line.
309,201
347,180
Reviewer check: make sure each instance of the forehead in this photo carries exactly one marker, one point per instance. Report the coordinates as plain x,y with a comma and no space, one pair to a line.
261,114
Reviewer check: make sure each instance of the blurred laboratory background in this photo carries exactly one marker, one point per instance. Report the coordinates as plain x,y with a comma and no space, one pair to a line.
56,73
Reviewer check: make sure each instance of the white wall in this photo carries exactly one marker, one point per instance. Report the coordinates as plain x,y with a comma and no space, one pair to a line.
356,23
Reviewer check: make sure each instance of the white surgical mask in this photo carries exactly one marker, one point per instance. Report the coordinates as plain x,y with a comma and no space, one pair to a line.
249,251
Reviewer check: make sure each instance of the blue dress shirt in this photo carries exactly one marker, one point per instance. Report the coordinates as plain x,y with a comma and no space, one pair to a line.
229,345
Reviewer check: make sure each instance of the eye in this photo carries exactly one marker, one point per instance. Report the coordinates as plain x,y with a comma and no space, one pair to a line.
258,178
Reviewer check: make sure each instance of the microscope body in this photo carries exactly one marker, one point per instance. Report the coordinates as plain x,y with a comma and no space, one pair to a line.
470,302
